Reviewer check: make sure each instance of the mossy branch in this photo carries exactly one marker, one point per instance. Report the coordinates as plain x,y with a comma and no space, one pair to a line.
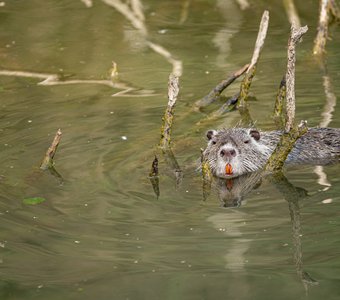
292,132
206,176
173,90
286,144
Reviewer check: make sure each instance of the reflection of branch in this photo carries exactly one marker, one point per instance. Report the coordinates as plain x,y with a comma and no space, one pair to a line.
88,3
330,102
176,64
135,15
293,194
243,4
173,164
322,34
292,13
54,79
129,13
326,119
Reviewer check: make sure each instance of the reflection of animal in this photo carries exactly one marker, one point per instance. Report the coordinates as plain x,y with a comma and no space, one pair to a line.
236,151
232,191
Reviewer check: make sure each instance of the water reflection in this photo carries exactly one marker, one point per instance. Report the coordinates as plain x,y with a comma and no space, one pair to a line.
103,233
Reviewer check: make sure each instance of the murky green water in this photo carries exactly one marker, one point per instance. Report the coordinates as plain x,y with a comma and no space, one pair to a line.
102,233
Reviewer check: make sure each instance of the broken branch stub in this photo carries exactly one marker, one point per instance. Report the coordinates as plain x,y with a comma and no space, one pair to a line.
173,90
48,159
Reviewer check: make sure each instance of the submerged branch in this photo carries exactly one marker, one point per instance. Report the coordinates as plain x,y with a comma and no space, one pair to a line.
153,176
55,79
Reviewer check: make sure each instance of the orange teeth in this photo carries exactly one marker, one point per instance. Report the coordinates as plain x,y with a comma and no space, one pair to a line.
228,169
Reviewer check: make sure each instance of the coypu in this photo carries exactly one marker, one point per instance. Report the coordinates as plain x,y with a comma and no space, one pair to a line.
236,151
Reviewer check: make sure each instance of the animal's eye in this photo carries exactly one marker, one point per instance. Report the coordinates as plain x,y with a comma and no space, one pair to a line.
213,142
246,141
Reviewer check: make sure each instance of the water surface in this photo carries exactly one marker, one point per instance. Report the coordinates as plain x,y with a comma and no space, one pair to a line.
102,233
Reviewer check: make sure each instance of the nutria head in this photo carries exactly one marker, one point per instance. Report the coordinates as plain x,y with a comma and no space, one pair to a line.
235,151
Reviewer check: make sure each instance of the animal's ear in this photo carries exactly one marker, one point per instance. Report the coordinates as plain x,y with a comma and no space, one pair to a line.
254,134
211,134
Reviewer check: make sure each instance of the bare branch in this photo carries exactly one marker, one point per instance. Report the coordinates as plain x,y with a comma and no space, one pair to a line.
173,90
261,36
295,37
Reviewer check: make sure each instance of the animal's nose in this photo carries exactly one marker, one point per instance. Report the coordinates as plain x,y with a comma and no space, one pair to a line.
228,153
